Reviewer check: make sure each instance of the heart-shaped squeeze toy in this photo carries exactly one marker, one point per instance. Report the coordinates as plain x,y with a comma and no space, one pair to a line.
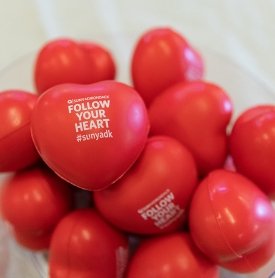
90,134
153,196
16,147
197,114
83,245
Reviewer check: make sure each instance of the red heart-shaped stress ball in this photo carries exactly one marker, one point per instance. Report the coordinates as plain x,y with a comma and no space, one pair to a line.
90,134
153,196
16,146
83,245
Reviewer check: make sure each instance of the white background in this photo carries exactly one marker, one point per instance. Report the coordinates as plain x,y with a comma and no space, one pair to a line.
242,30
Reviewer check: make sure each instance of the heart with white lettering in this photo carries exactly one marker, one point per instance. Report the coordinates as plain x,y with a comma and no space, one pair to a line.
153,195
90,134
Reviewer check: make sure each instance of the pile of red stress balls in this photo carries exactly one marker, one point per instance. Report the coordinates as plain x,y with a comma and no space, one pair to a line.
118,180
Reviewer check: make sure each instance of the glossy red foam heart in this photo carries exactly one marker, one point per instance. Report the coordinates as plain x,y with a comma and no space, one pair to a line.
172,255
231,209
83,245
16,146
197,114
153,196
90,134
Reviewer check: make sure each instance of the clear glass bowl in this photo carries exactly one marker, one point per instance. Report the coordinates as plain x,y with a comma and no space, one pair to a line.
244,89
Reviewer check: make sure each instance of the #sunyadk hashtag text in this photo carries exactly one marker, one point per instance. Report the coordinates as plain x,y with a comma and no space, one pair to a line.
94,136
78,138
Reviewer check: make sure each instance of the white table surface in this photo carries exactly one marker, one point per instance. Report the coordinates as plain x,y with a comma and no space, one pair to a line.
243,31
